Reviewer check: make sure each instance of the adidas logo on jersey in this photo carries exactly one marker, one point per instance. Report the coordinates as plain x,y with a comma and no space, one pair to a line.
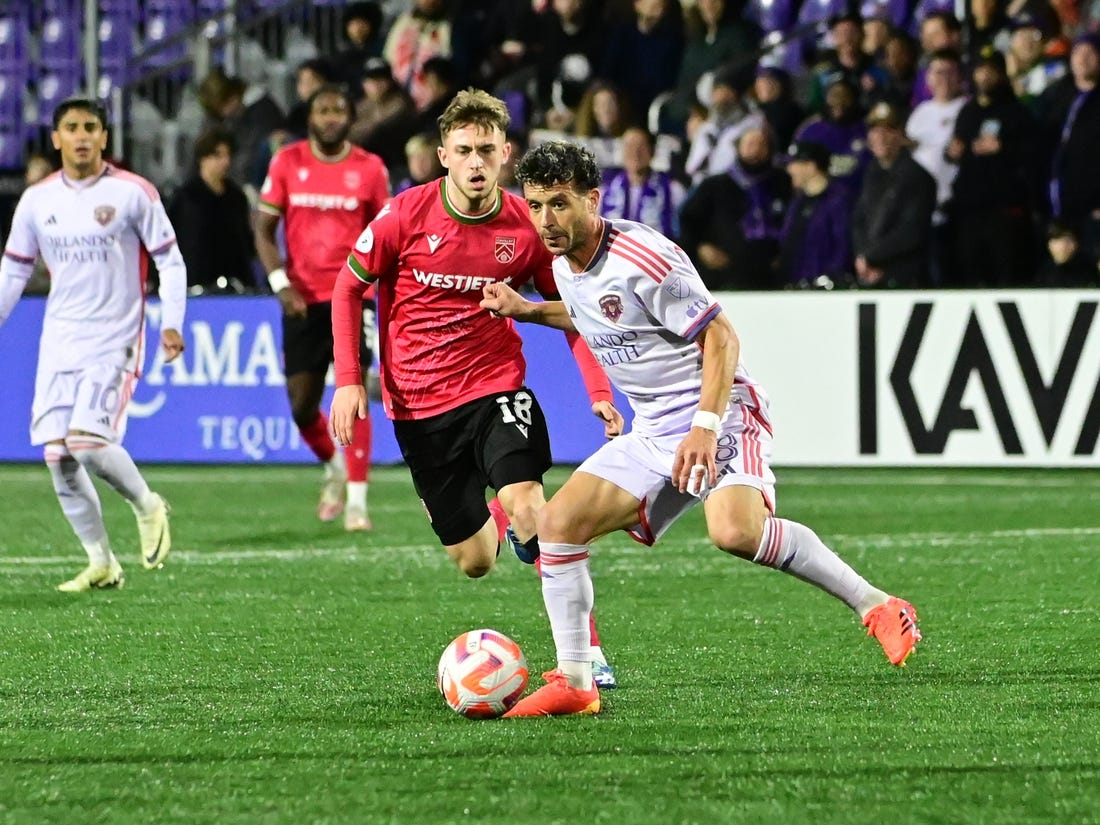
51,220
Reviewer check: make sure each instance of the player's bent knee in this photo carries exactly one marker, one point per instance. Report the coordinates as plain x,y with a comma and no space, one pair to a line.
735,539
475,568
555,524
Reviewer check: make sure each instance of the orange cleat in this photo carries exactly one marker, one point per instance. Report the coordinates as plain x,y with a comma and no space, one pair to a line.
894,624
557,698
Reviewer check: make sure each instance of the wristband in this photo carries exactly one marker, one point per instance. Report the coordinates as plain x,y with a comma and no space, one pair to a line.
706,420
277,280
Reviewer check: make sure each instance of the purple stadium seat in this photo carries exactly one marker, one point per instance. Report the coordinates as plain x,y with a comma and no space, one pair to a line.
896,11
15,35
59,41
181,9
52,88
116,40
11,150
130,9
11,97
771,15
817,11
65,9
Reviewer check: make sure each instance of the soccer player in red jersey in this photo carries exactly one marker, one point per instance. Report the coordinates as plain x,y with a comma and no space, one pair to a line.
325,189
452,373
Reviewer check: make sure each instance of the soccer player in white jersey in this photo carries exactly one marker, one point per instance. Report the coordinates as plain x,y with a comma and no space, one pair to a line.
701,428
93,224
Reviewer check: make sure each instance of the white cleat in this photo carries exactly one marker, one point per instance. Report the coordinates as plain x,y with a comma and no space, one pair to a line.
101,576
333,495
156,539
356,520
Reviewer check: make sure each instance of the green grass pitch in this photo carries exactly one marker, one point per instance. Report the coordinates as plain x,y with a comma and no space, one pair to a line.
279,671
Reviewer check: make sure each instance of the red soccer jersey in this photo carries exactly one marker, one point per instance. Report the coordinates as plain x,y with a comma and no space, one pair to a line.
325,206
439,348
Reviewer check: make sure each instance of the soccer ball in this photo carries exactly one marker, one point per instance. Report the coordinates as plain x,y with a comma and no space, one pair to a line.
482,674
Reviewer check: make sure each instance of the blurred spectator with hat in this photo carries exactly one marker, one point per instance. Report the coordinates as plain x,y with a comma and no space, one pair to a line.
986,25
362,23
815,247
1072,126
841,128
1031,67
893,215
846,61
385,116
772,95
994,146
930,129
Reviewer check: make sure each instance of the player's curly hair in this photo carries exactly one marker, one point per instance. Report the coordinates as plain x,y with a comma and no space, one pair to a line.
474,107
558,162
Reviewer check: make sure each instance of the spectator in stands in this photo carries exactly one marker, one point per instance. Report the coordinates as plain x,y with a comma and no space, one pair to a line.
421,160
1066,265
637,192
642,55
439,83
211,215
751,196
986,25
930,129
714,145
716,36
845,61
363,31
815,246
1072,107
603,115
842,129
877,28
893,214
568,44
249,114
1030,69
938,31
385,117
899,67
310,76
425,31
993,145
771,92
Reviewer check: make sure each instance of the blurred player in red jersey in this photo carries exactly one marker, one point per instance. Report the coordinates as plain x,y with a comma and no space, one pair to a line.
452,373
325,189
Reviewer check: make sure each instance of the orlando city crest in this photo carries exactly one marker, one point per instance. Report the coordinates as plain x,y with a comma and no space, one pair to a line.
104,215
612,307
504,249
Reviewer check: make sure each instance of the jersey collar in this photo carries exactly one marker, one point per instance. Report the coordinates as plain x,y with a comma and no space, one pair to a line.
84,183
462,217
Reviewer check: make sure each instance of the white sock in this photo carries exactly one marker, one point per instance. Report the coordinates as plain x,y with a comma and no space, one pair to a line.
568,596
794,548
357,495
79,501
113,464
597,655
335,466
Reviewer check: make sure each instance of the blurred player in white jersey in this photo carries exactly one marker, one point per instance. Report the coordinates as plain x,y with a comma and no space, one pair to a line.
701,427
93,225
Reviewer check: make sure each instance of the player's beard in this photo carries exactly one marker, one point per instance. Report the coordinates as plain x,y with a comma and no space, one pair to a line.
331,143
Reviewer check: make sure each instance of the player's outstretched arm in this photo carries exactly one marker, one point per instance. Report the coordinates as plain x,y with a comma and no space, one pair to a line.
501,299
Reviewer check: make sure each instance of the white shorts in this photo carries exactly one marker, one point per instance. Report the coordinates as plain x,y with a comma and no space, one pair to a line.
642,466
93,400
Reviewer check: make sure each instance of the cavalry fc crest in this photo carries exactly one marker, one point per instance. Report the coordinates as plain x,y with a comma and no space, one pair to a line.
504,249
612,307
104,215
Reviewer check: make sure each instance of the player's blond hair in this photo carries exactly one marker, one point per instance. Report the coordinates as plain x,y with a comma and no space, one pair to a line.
474,107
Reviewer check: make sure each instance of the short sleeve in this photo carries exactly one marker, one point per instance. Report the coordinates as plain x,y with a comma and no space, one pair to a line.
678,298
376,250
273,197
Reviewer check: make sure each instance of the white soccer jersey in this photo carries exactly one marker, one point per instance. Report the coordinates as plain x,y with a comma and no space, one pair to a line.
640,306
91,235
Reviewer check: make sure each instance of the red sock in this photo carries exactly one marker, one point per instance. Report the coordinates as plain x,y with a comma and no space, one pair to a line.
595,637
357,454
496,510
319,439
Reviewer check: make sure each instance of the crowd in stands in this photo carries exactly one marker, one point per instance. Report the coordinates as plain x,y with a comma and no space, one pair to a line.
896,145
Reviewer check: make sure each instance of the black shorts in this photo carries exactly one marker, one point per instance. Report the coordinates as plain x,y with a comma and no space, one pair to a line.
494,441
307,342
